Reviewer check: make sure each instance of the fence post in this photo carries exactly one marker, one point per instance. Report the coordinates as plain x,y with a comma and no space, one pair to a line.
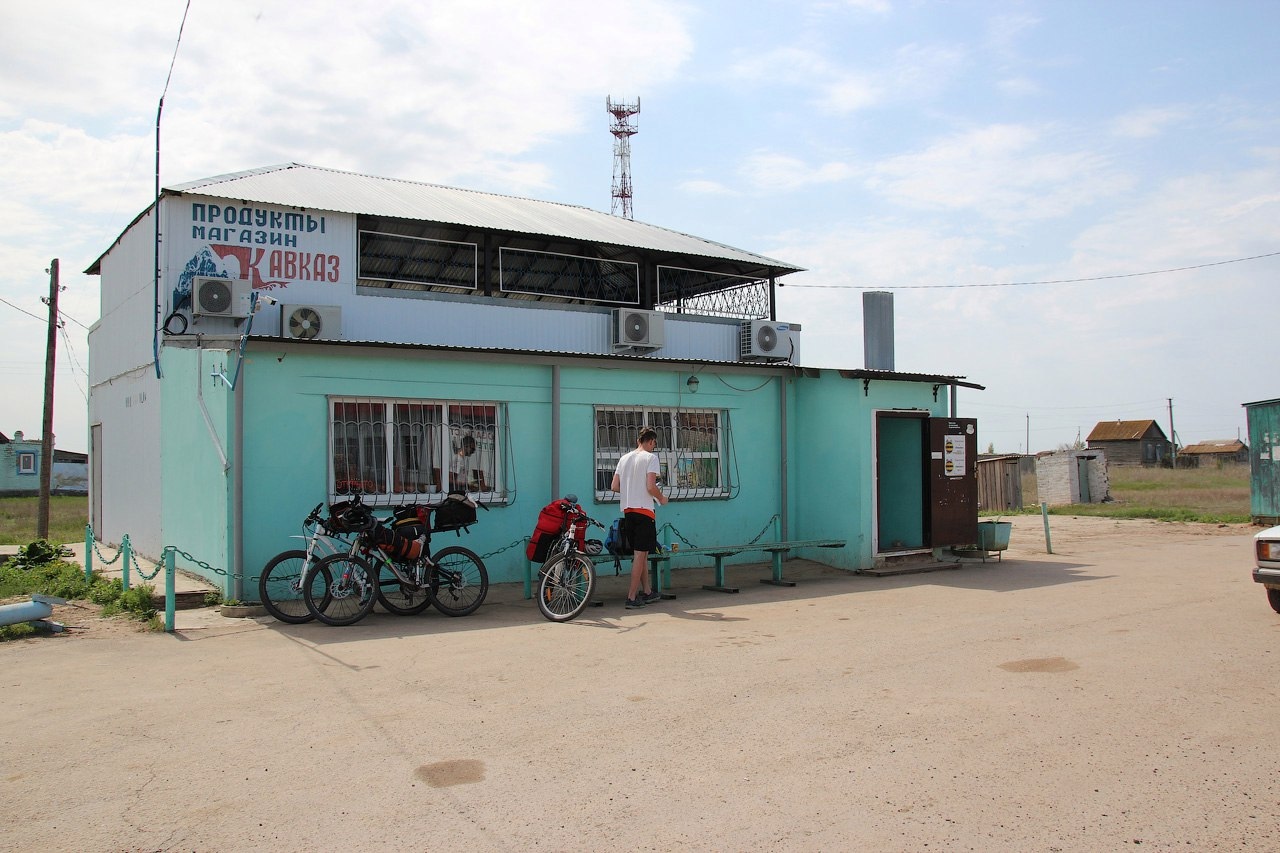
528,571
169,602
88,553
126,554
1044,511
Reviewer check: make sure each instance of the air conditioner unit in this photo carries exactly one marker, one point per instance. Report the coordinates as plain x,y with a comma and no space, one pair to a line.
768,340
311,322
220,297
634,328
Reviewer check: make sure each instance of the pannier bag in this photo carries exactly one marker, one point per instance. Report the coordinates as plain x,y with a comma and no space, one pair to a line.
456,510
397,547
552,521
412,521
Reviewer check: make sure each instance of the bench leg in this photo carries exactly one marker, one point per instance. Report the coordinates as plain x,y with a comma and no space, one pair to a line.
656,568
777,580
719,586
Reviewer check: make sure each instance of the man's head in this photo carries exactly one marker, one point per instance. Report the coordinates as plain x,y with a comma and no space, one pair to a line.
647,435
468,445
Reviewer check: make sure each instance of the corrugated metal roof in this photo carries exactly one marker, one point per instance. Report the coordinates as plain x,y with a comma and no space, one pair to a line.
1121,430
1231,445
315,188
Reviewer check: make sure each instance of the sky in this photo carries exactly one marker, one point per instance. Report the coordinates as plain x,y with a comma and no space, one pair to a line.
1075,204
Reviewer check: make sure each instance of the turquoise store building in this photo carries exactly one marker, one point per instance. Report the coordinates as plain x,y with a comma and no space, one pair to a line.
308,334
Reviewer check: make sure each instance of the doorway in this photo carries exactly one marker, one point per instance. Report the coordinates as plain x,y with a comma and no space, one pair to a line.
926,482
900,481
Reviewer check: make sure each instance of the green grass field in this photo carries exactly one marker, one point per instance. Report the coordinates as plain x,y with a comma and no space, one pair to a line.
1213,495
68,515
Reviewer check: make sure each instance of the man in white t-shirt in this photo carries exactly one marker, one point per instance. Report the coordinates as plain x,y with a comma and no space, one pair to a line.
636,482
460,466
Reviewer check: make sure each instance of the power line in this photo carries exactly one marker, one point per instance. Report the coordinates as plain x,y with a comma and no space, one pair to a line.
1029,283
23,310
72,355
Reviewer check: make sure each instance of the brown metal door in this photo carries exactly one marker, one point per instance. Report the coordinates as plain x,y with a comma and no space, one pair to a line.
953,482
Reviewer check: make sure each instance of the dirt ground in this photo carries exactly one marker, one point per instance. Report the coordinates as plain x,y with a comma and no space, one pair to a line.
1112,695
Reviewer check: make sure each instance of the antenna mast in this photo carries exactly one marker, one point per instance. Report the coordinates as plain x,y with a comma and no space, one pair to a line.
622,131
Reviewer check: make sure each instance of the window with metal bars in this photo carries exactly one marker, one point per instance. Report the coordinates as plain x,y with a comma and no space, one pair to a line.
693,445
392,450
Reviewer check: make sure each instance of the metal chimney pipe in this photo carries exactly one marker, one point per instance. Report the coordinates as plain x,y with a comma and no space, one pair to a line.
877,329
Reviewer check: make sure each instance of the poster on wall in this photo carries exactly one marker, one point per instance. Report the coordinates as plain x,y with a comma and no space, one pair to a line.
307,253
953,456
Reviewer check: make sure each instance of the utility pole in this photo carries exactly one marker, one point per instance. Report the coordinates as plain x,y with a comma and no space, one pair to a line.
1173,436
1028,433
46,432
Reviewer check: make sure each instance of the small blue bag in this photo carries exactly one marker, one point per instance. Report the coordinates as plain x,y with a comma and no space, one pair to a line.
615,542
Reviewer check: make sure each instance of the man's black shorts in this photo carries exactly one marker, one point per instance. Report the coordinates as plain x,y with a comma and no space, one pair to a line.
642,532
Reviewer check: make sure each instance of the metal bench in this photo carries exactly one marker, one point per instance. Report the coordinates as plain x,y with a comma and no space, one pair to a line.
662,559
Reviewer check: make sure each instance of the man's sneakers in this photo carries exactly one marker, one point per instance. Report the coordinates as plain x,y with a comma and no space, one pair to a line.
643,599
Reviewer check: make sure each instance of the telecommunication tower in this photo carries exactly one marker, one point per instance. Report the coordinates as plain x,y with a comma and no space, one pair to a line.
622,130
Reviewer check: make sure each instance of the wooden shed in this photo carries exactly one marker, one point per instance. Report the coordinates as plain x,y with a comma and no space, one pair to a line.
1131,442
999,482
1207,454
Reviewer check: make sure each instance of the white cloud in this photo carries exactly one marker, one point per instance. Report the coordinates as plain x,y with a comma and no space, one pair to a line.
1019,87
1000,173
771,171
704,187
1146,123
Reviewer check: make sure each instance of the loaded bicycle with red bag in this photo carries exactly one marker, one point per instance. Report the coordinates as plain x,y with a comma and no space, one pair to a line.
567,578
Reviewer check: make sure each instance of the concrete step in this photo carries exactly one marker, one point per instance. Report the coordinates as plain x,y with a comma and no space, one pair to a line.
182,599
909,567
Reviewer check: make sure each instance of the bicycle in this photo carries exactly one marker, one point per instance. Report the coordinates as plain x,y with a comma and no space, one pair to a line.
342,588
280,583
567,578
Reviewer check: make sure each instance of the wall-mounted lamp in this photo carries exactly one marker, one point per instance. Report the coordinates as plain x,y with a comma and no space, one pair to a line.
692,384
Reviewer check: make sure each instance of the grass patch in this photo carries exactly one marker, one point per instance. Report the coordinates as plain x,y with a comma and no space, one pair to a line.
38,569
1206,495
68,515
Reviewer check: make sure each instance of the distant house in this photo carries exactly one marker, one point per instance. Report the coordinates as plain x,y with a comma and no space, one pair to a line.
1208,453
20,461
1131,442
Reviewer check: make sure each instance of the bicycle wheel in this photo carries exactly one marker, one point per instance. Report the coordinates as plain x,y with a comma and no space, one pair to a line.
565,586
280,587
401,599
459,581
340,589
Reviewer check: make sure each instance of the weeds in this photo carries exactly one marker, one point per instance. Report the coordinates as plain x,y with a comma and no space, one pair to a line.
37,569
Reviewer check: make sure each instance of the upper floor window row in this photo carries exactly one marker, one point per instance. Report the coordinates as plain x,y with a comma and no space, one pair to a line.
405,262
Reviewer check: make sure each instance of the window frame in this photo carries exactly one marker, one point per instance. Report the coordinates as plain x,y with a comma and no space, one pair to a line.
27,463
672,458
394,436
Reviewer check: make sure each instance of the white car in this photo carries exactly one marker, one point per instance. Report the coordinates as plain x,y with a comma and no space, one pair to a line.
1266,552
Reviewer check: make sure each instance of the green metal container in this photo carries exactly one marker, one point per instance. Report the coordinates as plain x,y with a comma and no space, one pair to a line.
994,535
1264,461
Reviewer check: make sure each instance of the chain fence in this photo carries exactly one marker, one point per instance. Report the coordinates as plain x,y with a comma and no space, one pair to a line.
676,532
